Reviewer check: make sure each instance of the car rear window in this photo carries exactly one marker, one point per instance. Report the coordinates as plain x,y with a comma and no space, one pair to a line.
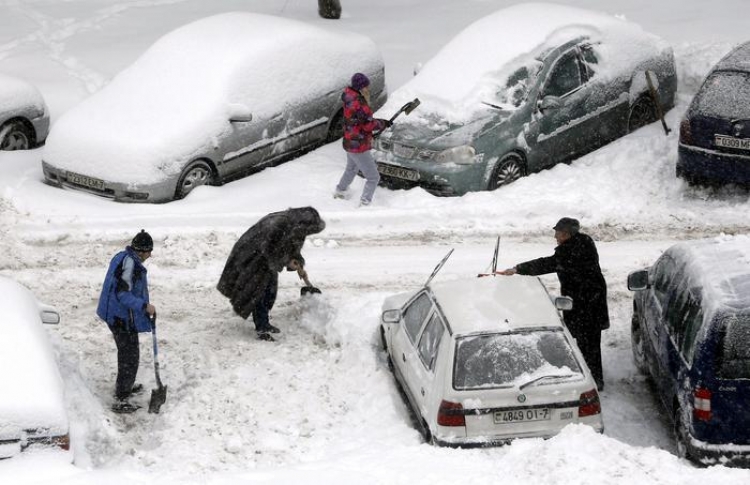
725,94
735,349
499,360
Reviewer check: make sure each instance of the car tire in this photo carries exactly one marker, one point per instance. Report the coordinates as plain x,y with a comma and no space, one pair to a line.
195,174
642,113
638,344
17,136
509,169
336,128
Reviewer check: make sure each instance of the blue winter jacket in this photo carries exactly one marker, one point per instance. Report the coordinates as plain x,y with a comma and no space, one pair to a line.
125,298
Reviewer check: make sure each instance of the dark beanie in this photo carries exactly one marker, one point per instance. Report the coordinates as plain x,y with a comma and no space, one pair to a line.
360,81
142,242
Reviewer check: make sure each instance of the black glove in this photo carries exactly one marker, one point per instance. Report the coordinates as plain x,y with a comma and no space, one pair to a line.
387,123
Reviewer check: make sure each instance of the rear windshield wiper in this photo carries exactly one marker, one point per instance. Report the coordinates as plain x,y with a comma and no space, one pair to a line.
552,376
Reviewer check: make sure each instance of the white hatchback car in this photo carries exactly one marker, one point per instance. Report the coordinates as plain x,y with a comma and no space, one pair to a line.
483,361
32,408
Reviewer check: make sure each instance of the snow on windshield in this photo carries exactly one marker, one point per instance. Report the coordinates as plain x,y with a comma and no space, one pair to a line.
176,99
495,59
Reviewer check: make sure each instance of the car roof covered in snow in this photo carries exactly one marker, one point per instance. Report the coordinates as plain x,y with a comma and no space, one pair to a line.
16,93
738,59
719,268
500,303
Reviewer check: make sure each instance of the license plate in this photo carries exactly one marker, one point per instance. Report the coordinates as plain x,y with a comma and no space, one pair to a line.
730,142
522,416
398,172
84,181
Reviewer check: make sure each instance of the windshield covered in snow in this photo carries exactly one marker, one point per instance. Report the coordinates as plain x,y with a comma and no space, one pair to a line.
515,87
735,349
725,94
504,360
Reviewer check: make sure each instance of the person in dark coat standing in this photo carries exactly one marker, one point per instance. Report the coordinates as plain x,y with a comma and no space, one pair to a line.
251,273
576,262
124,304
359,126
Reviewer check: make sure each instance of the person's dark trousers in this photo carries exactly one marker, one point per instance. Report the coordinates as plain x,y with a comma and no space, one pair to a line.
128,356
589,341
264,305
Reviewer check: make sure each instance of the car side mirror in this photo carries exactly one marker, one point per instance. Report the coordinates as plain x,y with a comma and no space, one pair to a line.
391,316
638,280
49,316
550,102
239,113
564,303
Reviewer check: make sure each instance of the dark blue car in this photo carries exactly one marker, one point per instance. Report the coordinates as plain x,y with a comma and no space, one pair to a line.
715,132
691,334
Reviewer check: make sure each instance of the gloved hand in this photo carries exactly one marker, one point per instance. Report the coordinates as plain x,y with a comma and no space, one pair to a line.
386,123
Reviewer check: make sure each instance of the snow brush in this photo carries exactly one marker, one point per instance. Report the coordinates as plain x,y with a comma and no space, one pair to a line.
406,109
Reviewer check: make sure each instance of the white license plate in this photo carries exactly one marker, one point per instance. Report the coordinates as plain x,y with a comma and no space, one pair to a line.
730,142
522,415
398,172
84,181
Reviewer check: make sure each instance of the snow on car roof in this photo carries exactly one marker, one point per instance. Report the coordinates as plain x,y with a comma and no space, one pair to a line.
737,59
176,99
500,303
466,70
15,93
31,386
720,267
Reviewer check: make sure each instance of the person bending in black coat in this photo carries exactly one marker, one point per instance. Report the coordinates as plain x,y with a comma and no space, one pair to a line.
251,274
576,263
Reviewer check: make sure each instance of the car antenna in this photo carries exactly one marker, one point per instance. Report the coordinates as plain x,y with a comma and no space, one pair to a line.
437,268
494,260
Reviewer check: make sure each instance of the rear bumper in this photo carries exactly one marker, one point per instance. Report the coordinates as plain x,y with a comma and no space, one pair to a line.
712,454
704,165
482,442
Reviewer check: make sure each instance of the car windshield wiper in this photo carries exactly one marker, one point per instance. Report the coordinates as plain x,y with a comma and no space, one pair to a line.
552,376
494,106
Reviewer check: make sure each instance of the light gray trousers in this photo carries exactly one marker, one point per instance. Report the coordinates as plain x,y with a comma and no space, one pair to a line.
364,163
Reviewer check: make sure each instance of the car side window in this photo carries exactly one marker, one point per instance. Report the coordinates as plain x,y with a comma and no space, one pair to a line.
693,323
677,309
415,314
565,76
430,341
590,60
663,272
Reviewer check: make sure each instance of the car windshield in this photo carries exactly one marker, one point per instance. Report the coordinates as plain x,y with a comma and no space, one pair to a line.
507,359
725,94
735,350
515,89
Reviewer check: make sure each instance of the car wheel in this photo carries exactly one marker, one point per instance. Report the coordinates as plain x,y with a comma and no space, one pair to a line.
681,435
508,170
196,174
642,113
17,137
336,129
636,339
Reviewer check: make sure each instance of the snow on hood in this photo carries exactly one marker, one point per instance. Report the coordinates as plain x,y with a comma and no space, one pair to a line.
174,102
467,70
16,93
32,390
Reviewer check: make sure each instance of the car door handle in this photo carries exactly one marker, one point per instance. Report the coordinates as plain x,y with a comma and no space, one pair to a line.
403,357
422,390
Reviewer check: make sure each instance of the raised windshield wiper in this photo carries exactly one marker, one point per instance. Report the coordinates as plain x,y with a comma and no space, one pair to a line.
494,106
553,376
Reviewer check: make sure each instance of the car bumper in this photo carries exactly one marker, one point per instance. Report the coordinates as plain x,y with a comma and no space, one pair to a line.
484,442
41,128
120,192
442,179
704,165
724,454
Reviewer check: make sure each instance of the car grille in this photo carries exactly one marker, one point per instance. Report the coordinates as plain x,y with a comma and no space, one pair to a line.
404,151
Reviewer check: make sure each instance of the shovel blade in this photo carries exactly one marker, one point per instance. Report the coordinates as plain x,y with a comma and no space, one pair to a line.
411,105
309,290
158,397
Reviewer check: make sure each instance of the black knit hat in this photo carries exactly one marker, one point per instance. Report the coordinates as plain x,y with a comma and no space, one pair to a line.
568,224
142,242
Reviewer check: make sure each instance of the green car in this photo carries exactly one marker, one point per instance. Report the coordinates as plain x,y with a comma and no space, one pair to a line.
496,106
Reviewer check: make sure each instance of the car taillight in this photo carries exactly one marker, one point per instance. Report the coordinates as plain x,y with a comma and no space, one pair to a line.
62,441
702,404
686,136
588,404
451,414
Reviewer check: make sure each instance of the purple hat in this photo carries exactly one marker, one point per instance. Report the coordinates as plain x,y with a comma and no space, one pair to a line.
360,81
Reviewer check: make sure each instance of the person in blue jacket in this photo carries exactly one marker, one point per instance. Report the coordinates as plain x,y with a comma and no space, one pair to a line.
125,306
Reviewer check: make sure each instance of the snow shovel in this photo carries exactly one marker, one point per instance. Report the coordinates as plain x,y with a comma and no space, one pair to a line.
308,289
158,395
655,97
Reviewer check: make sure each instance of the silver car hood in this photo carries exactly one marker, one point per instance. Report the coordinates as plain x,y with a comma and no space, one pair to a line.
434,134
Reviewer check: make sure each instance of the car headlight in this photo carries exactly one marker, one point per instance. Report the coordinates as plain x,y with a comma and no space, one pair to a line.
462,155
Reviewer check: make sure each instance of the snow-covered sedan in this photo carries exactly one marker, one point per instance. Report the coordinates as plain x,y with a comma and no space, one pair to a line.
210,102
487,360
521,90
32,408
24,117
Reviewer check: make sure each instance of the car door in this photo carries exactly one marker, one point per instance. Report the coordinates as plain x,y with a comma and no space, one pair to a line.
404,342
423,375
554,131
251,144
654,311
307,123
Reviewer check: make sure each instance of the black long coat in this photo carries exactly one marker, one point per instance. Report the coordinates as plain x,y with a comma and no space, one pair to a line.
576,263
262,252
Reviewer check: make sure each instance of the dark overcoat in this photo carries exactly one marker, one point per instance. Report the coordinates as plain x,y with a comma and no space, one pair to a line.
262,252
576,263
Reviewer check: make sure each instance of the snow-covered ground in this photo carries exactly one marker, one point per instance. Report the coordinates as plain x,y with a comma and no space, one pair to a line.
319,406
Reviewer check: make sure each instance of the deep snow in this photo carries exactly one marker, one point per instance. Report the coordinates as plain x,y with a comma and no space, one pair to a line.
319,406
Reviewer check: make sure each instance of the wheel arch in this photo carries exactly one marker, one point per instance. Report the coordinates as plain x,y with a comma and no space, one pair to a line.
28,126
489,171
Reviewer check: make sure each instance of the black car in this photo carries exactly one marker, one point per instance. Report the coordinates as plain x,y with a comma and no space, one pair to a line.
715,133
